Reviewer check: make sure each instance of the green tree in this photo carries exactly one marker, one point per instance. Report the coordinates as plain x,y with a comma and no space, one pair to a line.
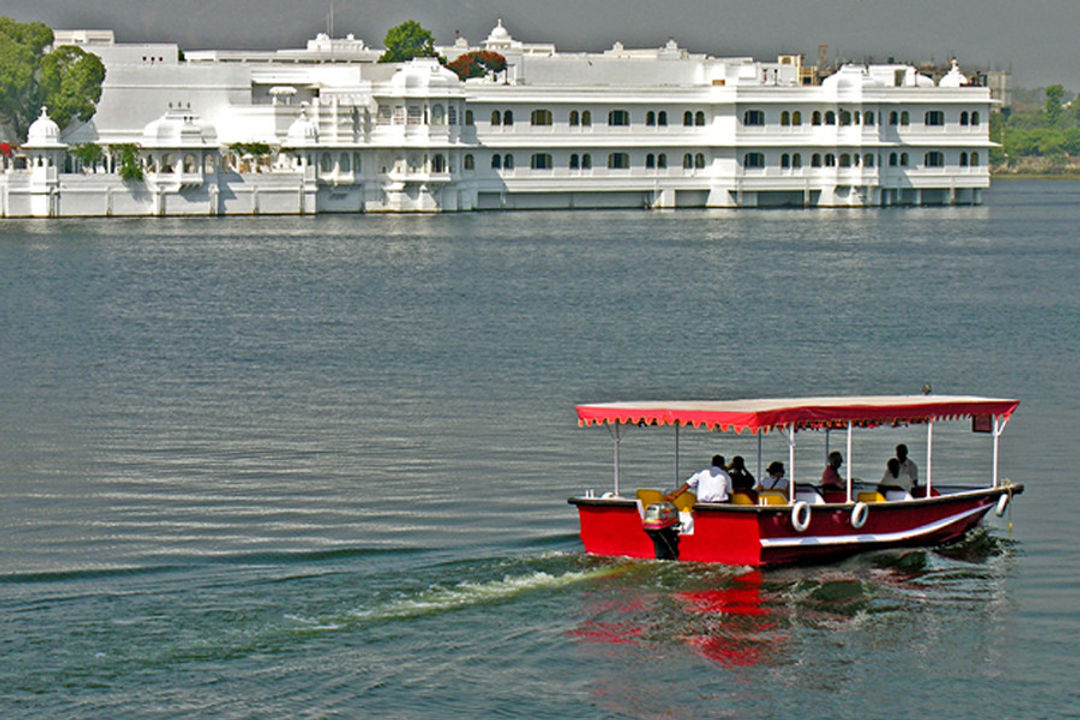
67,80
406,41
1055,95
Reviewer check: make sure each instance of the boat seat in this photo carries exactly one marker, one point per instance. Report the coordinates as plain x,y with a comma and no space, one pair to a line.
897,495
741,498
772,497
685,502
870,497
648,497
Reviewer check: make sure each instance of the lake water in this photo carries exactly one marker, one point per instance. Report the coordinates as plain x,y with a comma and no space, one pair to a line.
318,467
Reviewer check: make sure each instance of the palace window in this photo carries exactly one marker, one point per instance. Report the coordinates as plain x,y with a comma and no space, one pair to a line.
974,159
785,161
754,160
469,117
540,117
904,118
815,160
796,118
575,161
796,160
699,118
508,117
496,162
437,114
815,119
830,117
661,161
541,161
688,118
963,159
785,118
470,163
975,118
416,115
661,118
845,117
451,115
650,118
830,160
868,160
618,161
618,118
934,159
753,117
845,160
688,161
586,118
650,161
893,159
508,162
868,118
438,164
964,118
934,117
574,118
699,161
586,160
893,118
903,159
383,115
344,164
496,117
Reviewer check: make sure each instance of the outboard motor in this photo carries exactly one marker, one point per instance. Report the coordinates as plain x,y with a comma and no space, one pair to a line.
661,524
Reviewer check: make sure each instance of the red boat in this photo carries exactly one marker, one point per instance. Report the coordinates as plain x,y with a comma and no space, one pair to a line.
798,523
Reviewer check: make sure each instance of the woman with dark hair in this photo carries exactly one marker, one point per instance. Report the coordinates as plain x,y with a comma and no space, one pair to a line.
741,479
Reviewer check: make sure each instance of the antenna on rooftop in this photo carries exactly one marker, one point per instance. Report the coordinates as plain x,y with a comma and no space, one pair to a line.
330,21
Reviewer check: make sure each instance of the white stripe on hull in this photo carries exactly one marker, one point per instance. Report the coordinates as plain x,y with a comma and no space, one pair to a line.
870,538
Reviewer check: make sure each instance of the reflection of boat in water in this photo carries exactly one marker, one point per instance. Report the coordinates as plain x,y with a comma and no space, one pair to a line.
801,524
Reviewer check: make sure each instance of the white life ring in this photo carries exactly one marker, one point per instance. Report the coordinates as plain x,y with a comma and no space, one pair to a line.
1002,504
800,515
859,513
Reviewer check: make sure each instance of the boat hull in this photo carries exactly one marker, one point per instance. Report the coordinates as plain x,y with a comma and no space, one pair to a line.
767,535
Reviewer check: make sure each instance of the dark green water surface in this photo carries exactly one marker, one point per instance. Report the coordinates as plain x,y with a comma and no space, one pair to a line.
317,467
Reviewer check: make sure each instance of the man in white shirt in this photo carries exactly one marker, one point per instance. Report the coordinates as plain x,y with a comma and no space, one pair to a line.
712,484
907,468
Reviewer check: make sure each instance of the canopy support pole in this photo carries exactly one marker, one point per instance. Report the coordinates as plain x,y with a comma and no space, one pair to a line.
760,432
848,461
999,427
790,435
676,454
617,439
929,455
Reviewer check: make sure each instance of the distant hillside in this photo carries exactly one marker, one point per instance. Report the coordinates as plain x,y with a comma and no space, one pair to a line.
1039,134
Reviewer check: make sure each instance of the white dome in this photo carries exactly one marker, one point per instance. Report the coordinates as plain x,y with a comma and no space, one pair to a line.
178,127
302,132
421,76
851,76
499,34
953,78
43,131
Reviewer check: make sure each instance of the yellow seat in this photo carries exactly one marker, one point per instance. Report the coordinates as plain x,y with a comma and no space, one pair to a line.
772,497
740,498
869,497
648,497
685,502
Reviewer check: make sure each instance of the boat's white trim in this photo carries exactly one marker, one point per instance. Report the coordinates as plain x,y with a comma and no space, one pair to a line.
866,538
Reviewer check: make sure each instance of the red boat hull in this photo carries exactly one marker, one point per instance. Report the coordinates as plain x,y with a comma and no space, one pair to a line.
767,535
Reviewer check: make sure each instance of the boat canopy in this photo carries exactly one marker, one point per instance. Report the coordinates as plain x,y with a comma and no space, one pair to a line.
767,414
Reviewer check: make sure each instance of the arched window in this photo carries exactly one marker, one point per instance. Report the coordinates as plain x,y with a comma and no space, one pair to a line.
752,117
650,118
190,164
344,163
540,117
903,159
934,159
496,162
963,159
699,118
650,161
661,118
438,164
796,118
933,117
830,160
574,118
815,160
855,159
575,161
975,118
661,161
618,118
845,160
815,119
586,160
508,162
437,114
830,117
688,161
845,117
508,117
688,118
893,159
785,118
699,161
868,118
785,161
325,162
754,160
470,163
974,159
496,117
904,118
964,117
469,117
540,161
893,118
868,160
166,163
618,161
796,160
586,118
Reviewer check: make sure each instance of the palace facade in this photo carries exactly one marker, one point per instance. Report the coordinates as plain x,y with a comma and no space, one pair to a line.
328,129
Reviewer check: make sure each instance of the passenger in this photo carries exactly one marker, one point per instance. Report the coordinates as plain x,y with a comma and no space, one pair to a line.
894,484
907,468
775,479
741,479
830,479
712,484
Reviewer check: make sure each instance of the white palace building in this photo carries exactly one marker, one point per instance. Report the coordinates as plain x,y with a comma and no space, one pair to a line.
633,128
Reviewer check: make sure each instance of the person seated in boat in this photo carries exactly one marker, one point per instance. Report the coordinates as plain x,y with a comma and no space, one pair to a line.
833,487
907,467
741,479
712,484
894,484
774,478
